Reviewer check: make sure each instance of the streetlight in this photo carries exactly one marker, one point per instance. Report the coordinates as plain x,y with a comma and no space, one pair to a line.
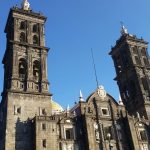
110,144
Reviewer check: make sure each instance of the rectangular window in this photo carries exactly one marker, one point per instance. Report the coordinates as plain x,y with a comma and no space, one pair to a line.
145,61
143,135
21,86
137,60
43,126
37,87
135,50
69,133
105,111
108,132
43,112
143,52
17,110
145,84
44,144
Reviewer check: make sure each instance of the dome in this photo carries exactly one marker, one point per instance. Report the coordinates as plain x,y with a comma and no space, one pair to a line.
56,108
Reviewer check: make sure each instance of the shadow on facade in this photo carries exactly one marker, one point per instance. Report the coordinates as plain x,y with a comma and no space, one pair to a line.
148,134
24,136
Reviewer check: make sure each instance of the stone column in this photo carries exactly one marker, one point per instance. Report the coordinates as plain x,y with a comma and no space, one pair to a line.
44,65
41,35
16,24
15,63
30,70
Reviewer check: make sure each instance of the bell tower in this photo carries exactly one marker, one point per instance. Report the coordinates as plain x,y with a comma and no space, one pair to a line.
131,61
26,69
26,87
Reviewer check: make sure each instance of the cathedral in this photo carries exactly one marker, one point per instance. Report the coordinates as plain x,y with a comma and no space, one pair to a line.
31,120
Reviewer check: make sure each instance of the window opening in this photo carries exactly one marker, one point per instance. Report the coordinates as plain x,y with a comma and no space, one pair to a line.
36,70
22,25
107,130
22,68
43,126
137,60
22,37
35,28
69,133
44,143
145,61
19,110
43,111
143,135
145,84
105,111
35,40
143,52
135,51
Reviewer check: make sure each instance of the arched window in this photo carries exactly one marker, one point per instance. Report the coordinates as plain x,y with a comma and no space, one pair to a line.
132,88
22,68
36,69
137,60
143,52
145,84
35,40
22,37
35,28
145,61
135,50
22,25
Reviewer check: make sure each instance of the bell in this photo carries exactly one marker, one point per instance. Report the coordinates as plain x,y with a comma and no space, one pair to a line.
36,69
21,66
37,74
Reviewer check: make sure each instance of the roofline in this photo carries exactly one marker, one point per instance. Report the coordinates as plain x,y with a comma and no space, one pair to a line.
21,11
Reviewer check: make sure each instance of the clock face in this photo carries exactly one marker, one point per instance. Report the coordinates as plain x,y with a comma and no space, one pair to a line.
101,92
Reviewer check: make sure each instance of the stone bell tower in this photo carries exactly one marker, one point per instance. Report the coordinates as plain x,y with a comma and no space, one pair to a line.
26,87
131,61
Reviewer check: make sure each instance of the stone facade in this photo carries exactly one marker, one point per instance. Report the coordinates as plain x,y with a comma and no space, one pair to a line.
29,118
26,87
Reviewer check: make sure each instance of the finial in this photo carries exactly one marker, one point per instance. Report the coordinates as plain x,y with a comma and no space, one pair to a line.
68,108
138,116
123,31
120,100
74,113
81,97
25,5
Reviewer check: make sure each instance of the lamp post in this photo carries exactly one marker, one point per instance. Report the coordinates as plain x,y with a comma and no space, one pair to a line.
110,144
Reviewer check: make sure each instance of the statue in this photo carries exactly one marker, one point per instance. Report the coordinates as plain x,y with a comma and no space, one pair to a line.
26,5
123,31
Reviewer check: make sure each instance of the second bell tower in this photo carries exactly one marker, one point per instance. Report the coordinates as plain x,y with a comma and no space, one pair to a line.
131,61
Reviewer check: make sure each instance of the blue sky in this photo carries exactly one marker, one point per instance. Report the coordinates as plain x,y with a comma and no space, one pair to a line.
72,29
